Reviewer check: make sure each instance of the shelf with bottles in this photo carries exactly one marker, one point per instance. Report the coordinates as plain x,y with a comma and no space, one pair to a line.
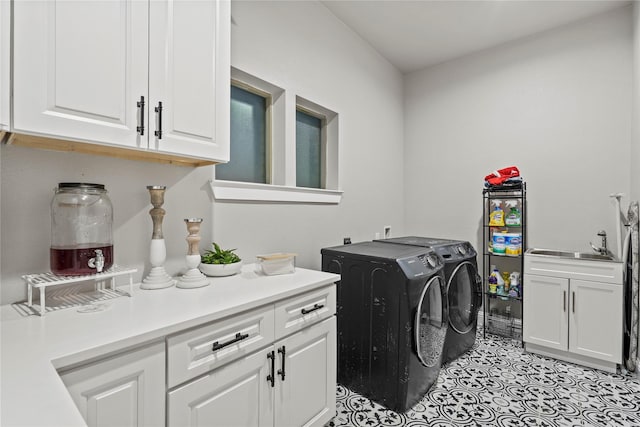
504,284
494,295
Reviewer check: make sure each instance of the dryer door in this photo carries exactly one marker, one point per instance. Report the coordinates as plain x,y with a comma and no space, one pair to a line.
431,322
465,298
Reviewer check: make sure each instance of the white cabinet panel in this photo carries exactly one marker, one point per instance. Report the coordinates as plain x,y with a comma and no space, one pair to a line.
126,390
545,308
190,75
79,68
295,314
595,320
306,394
192,353
235,395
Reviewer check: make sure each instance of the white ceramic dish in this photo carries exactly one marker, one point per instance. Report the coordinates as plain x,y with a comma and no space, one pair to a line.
220,270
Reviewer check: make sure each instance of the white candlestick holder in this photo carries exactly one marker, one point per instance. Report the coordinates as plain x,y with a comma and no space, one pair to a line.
193,278
157,277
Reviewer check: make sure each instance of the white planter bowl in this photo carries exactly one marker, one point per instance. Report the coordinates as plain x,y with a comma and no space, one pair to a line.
219,270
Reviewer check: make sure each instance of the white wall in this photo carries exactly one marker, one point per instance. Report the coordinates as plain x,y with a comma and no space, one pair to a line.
557,105
29,177
302,48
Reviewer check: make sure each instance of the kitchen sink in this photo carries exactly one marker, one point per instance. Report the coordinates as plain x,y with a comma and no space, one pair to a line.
572,255
573,265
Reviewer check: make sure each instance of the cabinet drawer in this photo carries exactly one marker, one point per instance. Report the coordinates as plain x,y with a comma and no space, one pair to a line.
198,351
301,311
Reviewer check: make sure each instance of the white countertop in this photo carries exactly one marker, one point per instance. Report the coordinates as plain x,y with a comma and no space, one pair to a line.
32,348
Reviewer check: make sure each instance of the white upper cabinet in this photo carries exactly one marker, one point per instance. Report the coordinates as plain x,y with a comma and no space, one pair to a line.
94,71
79,68
189,74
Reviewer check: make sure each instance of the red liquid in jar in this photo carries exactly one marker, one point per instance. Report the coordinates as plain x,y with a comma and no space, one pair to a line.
75,262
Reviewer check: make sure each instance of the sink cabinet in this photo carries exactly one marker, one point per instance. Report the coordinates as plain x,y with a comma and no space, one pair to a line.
148,76
573,319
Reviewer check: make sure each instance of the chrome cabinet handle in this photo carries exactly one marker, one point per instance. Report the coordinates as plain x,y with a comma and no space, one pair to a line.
573,302
140,127
158,111
564,301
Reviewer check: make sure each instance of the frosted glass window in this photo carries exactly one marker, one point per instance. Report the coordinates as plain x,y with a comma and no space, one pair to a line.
248,162
308,150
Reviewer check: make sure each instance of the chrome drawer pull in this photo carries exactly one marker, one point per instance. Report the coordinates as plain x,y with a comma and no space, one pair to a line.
314,308
239,337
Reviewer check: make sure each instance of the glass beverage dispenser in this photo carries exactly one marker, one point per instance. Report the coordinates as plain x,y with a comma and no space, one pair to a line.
81,229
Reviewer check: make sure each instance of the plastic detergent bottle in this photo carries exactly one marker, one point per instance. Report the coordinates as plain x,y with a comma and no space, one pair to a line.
515,284
496,217
496,273
513,217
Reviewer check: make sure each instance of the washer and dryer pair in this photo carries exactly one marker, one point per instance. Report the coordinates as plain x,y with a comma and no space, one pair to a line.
404,308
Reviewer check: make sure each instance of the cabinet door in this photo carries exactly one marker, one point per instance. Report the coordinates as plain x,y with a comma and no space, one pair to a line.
545,306
79,69
305,392
595,320
126,390
237,394
190,75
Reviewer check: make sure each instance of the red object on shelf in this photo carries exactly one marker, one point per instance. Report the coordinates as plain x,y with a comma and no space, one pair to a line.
501,175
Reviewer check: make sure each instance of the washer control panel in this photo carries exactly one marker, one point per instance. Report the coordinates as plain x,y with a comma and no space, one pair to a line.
421,265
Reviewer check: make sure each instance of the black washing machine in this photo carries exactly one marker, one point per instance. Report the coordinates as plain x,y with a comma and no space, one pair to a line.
464,289
392,320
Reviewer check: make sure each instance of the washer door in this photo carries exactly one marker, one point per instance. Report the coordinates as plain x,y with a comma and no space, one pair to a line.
464,295
431,322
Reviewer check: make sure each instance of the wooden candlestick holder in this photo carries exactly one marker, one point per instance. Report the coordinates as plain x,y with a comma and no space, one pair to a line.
193,278
157,277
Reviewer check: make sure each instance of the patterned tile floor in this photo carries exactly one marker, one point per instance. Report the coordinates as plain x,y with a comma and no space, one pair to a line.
498,384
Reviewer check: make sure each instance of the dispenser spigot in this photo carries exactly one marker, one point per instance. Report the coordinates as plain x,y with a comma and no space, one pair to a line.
98,261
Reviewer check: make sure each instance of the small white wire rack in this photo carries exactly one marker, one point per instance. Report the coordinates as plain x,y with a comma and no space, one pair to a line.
42,281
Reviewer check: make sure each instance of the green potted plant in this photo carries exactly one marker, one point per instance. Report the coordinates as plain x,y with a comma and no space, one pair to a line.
220,262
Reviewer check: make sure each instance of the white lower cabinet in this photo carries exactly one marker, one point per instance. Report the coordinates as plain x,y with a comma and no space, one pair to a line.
575,320
297,389
289,382
235,395
124,390
271,366
306,386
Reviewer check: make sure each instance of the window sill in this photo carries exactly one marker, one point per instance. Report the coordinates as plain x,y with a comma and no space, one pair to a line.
246,191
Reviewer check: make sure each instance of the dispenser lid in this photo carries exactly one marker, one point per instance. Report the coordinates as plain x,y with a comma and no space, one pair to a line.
81,185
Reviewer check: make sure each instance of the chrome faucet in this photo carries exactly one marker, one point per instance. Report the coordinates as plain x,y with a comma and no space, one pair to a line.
603,250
